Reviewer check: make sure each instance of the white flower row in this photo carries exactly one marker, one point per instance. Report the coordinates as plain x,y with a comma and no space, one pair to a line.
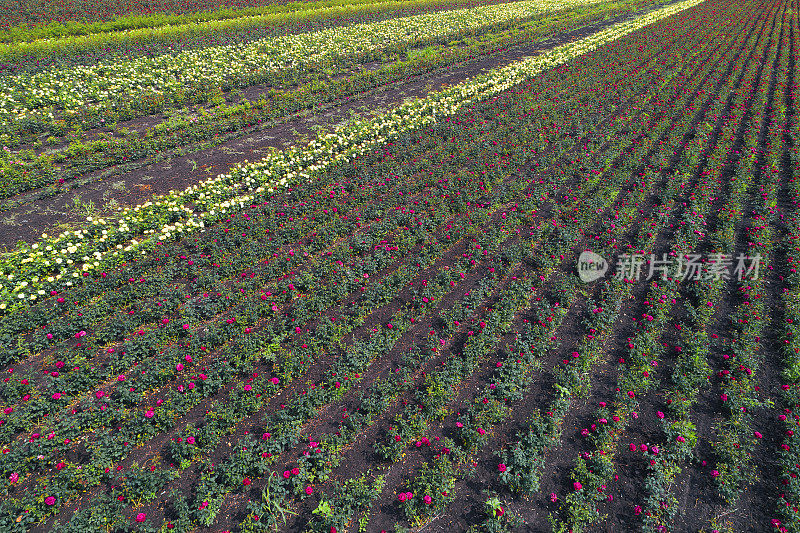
104,84
54,263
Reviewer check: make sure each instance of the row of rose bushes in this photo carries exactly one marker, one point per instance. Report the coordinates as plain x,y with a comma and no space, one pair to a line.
106,243
56,168
788,516
786,144
44,20
789,455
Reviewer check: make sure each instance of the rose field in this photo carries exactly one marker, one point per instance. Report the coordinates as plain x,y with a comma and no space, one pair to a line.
382,266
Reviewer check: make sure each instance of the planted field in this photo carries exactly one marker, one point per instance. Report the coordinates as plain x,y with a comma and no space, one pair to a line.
546,281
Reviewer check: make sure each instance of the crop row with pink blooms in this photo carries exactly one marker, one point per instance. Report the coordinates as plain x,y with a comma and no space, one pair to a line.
788,502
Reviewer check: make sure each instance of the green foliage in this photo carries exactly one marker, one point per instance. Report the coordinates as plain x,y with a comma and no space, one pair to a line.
436,479
525,459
